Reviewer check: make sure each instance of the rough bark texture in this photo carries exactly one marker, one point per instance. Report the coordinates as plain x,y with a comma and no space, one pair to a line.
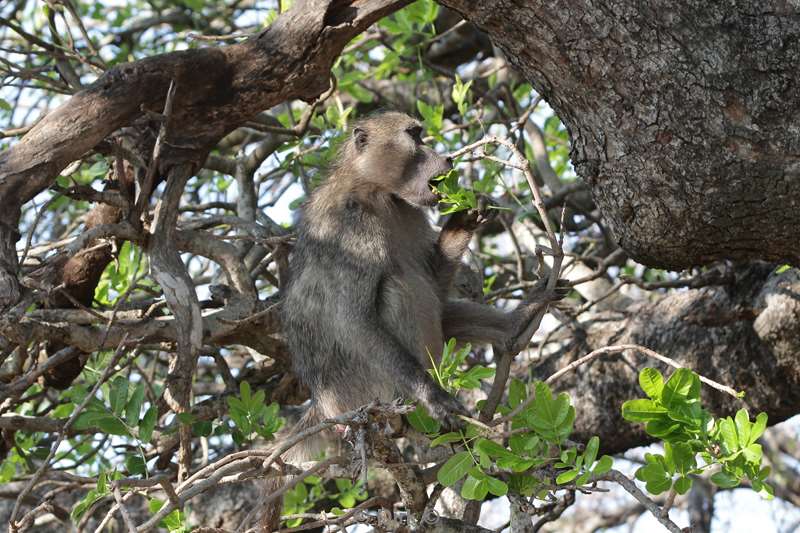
682,116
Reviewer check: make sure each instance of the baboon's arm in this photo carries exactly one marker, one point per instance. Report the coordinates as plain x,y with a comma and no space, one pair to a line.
452,243
469,321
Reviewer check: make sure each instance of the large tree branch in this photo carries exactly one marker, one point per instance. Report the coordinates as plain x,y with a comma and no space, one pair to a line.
217,90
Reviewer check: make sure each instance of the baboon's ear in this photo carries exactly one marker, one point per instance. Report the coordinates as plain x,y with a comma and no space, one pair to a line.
360,138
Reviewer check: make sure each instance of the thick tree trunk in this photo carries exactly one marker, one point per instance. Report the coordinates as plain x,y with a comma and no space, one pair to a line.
683,116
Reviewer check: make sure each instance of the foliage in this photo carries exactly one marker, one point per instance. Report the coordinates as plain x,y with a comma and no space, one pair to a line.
448,373
538,444
174,522
673,413
251,416
305,496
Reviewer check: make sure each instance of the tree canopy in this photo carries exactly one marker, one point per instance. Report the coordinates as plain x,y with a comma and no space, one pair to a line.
154,157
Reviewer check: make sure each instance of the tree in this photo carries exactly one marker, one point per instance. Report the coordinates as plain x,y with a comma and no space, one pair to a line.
139,349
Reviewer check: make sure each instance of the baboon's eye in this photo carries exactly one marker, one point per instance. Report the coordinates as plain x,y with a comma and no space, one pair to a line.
416,133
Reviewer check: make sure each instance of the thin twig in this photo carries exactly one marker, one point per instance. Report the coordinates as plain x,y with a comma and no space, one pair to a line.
147,186
626,483
504,360
608,350
13,527
126,517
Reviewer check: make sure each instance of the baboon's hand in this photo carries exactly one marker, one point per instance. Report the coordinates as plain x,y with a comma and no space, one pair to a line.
472,219
541,294
446,409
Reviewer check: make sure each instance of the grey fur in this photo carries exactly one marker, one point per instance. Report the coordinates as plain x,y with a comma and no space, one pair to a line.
362,311
366,308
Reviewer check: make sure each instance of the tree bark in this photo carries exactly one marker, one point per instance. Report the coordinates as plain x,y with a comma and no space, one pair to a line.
682,117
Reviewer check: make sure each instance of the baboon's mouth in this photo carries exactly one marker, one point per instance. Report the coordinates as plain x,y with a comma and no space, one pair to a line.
433,185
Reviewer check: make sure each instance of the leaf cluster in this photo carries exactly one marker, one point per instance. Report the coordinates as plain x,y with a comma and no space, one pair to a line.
694,441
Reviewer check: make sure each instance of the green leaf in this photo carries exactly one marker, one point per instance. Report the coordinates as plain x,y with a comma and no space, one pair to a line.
111,424
459,94
454,469
766,492
658,486
524,484
237,404
517,392
549,413
474,488
90,499
583,478
4,105
244,394
203,428
642,410
568,456
603,465
523,442
100,168
147,424
679,387
446,438
682,485
653,474
752,453
134,405
727,431
725,480
87,419
661,428
680,456
257,402
566,477
652,382
135,465
347,500
118,394
432,115
422,421
479,372
591,451
173,521
493,449
758,427
102,483
743,426
497,486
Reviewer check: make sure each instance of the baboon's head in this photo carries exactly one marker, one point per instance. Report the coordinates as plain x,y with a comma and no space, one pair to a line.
387,152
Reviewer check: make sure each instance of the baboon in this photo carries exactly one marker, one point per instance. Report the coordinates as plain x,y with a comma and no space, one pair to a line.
365,309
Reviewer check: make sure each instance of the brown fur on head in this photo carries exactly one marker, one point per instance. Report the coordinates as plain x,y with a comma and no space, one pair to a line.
385,155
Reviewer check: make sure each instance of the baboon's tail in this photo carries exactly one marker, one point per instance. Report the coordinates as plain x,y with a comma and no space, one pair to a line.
305,450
